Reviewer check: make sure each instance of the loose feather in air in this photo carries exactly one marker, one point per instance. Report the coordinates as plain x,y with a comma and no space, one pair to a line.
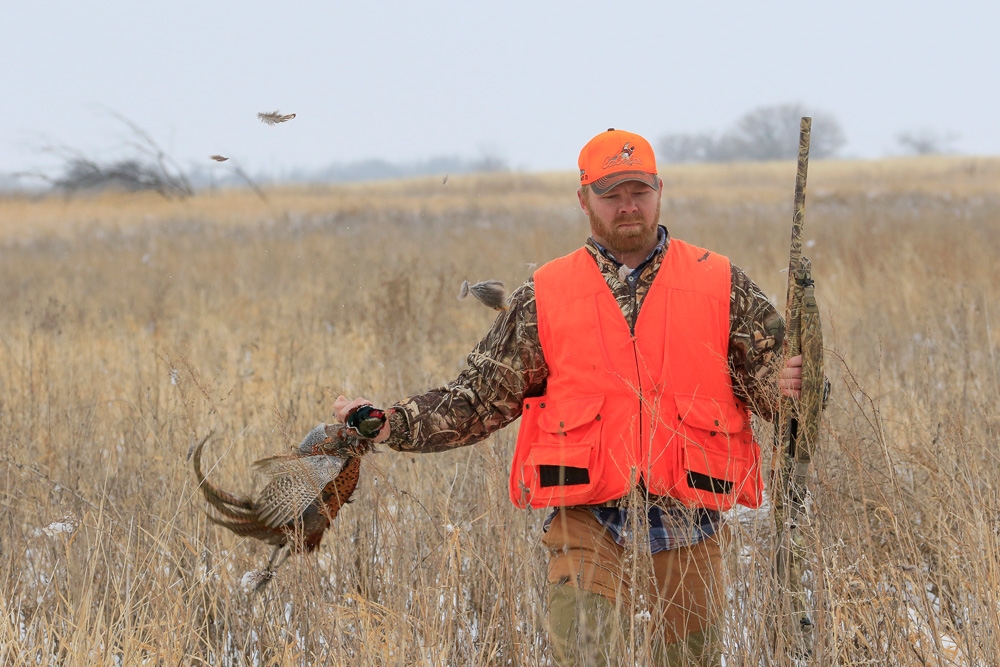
218,158
489,292
274,117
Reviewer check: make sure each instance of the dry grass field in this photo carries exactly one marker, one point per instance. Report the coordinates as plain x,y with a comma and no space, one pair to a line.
132,326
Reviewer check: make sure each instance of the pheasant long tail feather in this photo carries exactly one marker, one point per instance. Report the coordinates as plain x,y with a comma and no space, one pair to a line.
225,502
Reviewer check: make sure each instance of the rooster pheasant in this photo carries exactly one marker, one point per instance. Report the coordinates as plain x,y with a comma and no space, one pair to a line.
306,491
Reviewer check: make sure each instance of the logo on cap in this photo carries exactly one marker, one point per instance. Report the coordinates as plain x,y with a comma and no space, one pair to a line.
622,158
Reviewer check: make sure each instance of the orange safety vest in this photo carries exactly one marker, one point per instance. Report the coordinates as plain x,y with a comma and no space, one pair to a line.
654,405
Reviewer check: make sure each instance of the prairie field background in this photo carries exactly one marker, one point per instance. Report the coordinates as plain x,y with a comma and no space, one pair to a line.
132,326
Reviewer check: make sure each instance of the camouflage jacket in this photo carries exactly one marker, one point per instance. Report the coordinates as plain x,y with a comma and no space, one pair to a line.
508,366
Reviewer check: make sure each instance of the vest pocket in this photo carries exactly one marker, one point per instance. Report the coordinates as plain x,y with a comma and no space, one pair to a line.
719,462
564,461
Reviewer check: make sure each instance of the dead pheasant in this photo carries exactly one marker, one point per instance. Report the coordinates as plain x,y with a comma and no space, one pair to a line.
306,491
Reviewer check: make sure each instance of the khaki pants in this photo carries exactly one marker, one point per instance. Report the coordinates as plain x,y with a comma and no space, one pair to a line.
607,609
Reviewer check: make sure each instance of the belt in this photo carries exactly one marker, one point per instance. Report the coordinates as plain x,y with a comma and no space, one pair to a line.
649,499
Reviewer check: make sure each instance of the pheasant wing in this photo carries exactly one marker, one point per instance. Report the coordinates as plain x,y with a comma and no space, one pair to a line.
296,483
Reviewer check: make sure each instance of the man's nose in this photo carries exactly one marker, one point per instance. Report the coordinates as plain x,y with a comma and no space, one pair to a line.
629,204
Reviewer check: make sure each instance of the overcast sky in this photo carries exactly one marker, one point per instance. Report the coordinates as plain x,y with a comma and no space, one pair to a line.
529,81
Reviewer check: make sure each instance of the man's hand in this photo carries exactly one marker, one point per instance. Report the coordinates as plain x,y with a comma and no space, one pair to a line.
343,407
790,378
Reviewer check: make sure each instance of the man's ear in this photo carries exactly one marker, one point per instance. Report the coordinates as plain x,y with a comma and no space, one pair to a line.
582,196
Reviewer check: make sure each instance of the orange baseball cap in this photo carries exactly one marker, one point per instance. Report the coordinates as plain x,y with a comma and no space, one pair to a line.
617,156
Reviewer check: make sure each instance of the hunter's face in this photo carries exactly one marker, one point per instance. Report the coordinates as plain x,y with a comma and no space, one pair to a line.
624,219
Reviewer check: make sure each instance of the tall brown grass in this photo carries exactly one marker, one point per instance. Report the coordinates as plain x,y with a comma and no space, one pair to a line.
132,326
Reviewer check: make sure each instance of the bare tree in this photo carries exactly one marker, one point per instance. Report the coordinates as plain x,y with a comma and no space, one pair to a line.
168,167
152,170
926,141
765,133
772,133
81,174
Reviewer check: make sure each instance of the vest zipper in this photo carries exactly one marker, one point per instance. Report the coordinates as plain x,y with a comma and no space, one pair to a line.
641,454
638,375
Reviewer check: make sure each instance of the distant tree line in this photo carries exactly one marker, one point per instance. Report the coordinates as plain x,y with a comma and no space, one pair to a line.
375,170
772,132
764,133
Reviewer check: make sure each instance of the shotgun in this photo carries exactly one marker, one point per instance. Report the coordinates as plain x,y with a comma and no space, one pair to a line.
798,428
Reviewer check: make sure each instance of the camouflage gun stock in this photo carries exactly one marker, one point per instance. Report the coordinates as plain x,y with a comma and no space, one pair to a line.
798,429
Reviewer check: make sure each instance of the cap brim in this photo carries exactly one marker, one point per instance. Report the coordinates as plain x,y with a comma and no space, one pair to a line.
605,183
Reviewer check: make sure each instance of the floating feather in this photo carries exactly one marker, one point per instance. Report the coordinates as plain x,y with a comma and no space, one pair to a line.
274,117
489,292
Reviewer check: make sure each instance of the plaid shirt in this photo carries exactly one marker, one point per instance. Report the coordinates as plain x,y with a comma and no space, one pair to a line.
668,528
508,366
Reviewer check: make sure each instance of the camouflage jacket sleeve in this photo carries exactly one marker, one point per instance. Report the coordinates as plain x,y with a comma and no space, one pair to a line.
756,332
504,368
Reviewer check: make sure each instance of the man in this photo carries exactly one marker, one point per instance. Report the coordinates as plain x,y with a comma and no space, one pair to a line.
633,364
